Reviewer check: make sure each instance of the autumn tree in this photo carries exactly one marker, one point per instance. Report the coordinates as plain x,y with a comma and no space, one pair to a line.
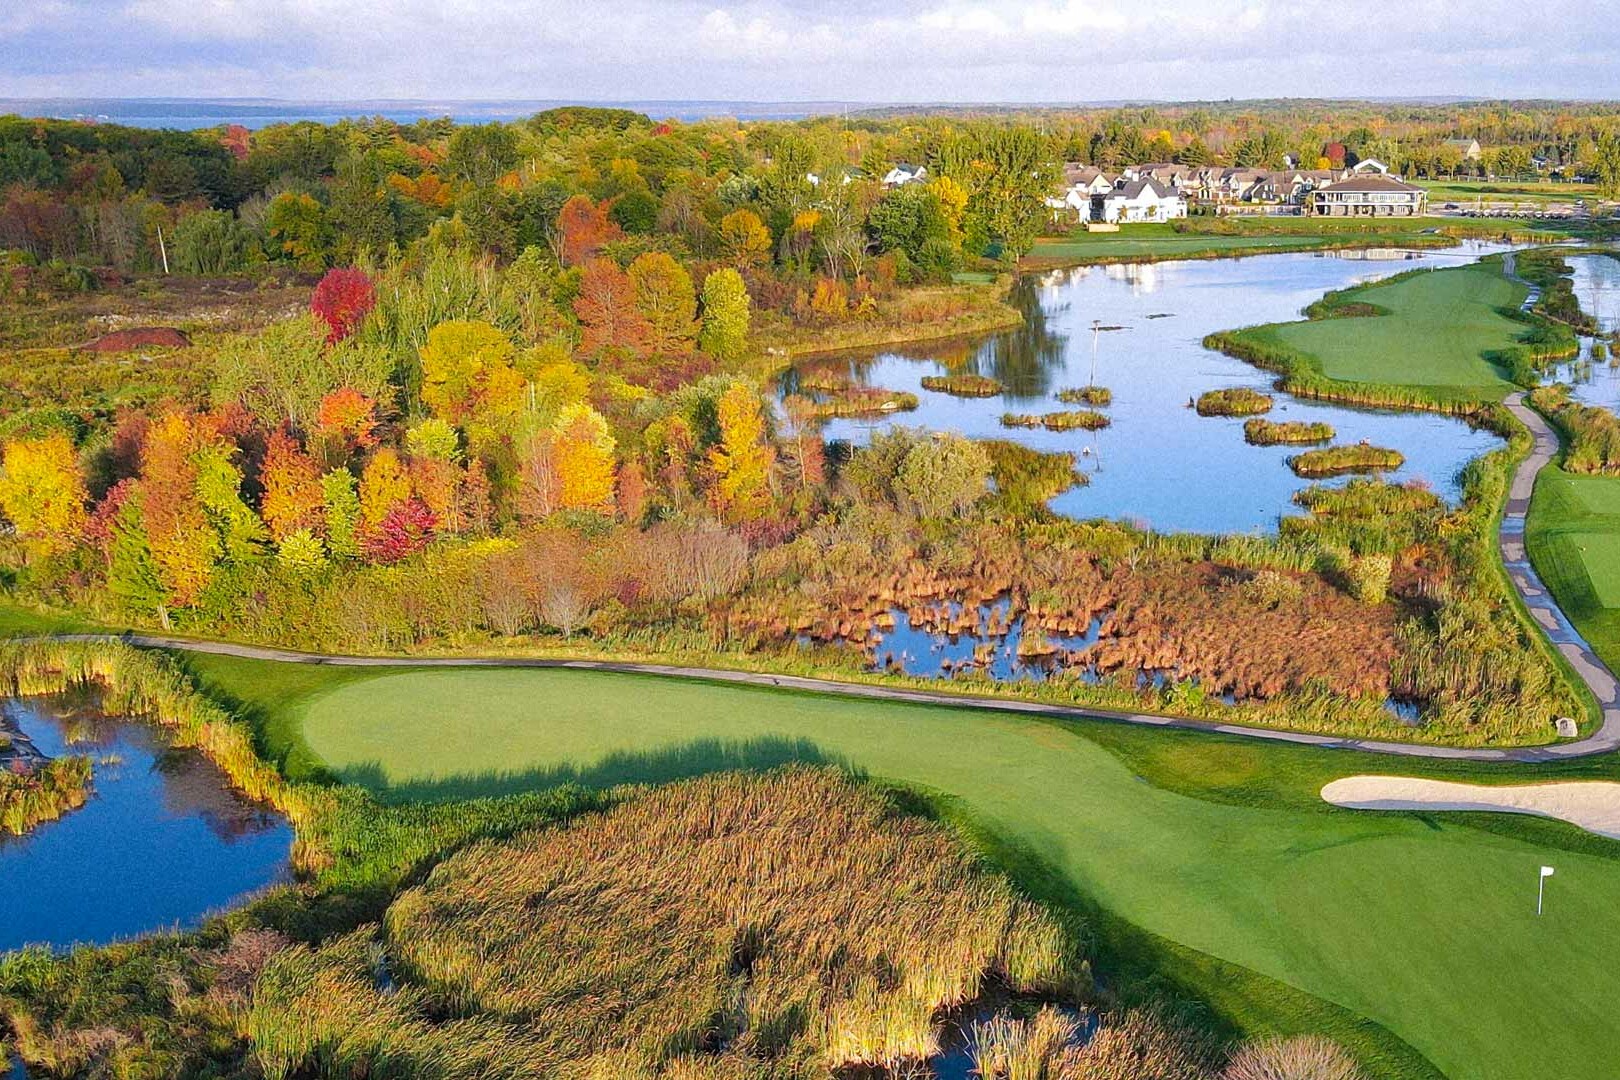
299,229
346,420
341,512
609,319
42,493
742,460
665,298
582,458
725,315
467,374
384,484
183,546
583,227
745,239
292,499
341,301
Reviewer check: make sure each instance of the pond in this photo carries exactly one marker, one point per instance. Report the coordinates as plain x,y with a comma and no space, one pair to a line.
1597,284
163,841
1159,464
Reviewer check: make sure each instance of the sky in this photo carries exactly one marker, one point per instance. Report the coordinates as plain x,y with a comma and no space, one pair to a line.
800,50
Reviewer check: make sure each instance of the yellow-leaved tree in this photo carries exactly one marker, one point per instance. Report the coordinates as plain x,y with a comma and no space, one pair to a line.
582,457
742,461
42,492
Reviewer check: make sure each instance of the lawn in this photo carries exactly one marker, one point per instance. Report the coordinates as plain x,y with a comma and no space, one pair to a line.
1572,535
1422,924
1464,192
1436,330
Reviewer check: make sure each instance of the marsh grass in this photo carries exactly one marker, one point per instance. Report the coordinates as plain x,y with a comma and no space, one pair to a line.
1232,401
1086,395
965,385
31,795
1064,420
797,917
1338,460
1262,432
863,401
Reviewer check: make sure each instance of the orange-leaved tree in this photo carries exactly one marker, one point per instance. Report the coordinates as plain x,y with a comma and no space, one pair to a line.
583,227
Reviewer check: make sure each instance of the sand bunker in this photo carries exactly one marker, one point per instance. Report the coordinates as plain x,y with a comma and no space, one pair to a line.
1591,805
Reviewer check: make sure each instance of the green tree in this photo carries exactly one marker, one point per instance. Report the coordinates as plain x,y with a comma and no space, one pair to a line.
1606,165
299,230
212,242
943,475
725,315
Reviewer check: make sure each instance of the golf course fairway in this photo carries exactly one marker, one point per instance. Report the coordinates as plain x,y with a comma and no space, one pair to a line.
1425,926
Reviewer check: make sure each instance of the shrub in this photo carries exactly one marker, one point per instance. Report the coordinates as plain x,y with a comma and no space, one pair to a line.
342,300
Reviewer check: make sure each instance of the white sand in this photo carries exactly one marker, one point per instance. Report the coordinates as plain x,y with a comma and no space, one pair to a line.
1593,805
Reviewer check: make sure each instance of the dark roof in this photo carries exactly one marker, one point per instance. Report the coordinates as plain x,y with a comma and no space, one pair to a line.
1136,187
1369,183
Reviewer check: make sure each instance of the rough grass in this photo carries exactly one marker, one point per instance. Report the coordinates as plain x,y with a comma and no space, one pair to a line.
1062,420
1361,910
797,917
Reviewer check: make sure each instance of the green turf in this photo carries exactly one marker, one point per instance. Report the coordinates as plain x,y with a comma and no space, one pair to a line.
1573,539
1420,924
1437,331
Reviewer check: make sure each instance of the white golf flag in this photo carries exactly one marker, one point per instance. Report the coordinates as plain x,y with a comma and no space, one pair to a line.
1546,871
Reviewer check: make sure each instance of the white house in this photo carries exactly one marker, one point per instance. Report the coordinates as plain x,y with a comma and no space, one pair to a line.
1368,194
904,173
1138,201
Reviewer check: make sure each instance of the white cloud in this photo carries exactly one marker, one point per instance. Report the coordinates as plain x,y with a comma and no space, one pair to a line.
874,50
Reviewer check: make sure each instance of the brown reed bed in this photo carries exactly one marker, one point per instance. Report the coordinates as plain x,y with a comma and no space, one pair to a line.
1064,420
1262,432
1086,395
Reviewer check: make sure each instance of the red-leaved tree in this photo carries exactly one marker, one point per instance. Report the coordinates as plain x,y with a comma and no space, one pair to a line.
404,530
342,300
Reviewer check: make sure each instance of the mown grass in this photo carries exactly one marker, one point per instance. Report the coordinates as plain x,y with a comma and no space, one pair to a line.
1434,330
1406,920
1570,538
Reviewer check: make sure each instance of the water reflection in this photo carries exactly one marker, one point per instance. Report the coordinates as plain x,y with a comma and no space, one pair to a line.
162,842
1159,464
1596,279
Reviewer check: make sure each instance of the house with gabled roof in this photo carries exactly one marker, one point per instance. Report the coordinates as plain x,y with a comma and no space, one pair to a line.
1138,201
1368,194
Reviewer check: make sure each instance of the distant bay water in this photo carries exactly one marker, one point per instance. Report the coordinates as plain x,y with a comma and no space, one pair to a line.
189,113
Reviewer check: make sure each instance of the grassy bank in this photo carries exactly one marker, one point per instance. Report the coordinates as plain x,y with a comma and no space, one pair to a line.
1371,920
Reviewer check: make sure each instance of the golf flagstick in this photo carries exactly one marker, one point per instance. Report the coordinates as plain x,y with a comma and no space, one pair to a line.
1541,886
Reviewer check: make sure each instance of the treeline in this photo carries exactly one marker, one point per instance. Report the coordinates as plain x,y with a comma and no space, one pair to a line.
312,195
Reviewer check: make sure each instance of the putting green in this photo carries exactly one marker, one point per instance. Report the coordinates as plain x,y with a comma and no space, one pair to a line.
1438,327
1425,926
